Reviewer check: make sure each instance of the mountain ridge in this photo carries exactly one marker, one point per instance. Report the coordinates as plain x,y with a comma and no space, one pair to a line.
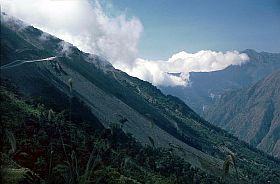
114,97
206,87
253,113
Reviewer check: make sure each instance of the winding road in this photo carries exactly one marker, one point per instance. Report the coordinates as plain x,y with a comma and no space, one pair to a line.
20,62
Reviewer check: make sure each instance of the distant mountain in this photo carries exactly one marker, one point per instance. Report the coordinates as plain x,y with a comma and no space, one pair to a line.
252,114
51,71
206,87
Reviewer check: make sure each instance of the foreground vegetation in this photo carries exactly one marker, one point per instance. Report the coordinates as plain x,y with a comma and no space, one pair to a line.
40,145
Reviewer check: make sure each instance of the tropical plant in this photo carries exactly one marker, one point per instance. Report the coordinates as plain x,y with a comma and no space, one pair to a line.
12,141
70,81
229,162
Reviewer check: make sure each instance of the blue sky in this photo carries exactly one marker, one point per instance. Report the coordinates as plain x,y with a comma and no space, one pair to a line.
145,37
171,26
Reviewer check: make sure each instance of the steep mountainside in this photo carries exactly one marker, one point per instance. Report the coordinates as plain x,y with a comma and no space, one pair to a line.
206,87
252,114
50,70
44,140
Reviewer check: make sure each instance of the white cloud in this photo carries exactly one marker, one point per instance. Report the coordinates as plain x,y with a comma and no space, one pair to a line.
66,48
83,23
175,71
87,26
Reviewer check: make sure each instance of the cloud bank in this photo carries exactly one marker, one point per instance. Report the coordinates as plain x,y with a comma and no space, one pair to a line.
175,70
88,26
83,23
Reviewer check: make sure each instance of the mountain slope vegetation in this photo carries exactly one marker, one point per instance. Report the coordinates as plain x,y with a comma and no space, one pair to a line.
50,148
102,96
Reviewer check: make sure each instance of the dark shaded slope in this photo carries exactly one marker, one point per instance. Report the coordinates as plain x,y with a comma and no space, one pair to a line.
40,156
114,97
95,84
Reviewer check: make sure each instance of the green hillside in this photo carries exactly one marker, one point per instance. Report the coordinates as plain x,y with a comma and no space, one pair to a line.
88,95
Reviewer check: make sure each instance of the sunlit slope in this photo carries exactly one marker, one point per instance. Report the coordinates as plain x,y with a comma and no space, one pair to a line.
252,114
